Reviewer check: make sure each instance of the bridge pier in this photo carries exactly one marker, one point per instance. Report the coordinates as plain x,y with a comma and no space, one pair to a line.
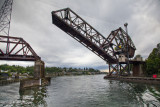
38,79
39,69
137,70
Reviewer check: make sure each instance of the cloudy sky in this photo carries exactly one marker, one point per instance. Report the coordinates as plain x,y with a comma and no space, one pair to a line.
31,20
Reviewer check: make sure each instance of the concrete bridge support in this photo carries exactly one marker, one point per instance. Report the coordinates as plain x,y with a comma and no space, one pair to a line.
39,69
138,69
39,77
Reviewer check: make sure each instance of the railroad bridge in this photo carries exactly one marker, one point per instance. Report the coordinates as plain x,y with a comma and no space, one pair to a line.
116,49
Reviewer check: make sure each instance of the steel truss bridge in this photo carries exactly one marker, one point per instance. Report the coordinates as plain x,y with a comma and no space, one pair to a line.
13,48
107,48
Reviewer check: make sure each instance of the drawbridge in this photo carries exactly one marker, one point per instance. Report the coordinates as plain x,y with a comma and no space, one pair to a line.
110,49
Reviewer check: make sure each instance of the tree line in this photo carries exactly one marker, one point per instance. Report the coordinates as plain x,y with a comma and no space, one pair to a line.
152,65
30,69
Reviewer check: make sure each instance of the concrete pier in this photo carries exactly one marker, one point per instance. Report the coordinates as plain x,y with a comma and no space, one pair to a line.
137,70
39,69
29,83
34,82
39,77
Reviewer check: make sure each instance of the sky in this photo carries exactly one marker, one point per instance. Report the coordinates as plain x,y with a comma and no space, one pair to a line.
31,20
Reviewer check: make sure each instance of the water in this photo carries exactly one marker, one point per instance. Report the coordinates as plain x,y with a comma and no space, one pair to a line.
82,91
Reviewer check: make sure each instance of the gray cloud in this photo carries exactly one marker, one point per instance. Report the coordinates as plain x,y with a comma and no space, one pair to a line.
32,21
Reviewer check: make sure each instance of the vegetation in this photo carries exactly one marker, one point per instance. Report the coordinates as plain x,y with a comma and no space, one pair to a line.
17,68
29,69
153,62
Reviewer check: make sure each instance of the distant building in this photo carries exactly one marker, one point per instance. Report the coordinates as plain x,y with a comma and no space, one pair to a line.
3,71
14,75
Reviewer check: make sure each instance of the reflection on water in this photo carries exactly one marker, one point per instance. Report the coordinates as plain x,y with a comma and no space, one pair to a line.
82,91
138,94
33,97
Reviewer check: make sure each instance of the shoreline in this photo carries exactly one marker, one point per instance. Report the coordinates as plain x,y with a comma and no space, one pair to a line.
7,82
72,74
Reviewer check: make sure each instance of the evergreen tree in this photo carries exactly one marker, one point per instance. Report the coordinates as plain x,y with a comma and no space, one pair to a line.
153,62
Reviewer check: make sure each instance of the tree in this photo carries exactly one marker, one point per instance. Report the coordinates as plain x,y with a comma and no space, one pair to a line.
153,63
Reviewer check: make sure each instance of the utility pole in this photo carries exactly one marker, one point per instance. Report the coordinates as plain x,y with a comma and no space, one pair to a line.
128,65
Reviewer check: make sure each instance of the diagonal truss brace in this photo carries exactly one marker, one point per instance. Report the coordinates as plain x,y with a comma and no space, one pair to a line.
5,17
19,49
80,30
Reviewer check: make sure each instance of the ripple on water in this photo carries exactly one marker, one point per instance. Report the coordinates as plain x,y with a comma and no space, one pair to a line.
81,91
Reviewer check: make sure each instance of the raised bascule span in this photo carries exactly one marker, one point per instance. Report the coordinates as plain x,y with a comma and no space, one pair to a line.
108,48
115,49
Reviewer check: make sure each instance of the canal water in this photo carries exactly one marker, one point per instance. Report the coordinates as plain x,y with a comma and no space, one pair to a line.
82,91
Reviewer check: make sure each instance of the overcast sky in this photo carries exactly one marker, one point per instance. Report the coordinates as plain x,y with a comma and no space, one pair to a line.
31,20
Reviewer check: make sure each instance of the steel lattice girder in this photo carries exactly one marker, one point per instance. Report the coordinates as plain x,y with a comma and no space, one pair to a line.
18,50
5,17
120,38
80,30
119,69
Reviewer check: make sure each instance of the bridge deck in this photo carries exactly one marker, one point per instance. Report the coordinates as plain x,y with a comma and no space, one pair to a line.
17,58
81,38
17,49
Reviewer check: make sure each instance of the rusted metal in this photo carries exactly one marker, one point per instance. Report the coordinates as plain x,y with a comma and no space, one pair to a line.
80,30
76,27
19,49
5,17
